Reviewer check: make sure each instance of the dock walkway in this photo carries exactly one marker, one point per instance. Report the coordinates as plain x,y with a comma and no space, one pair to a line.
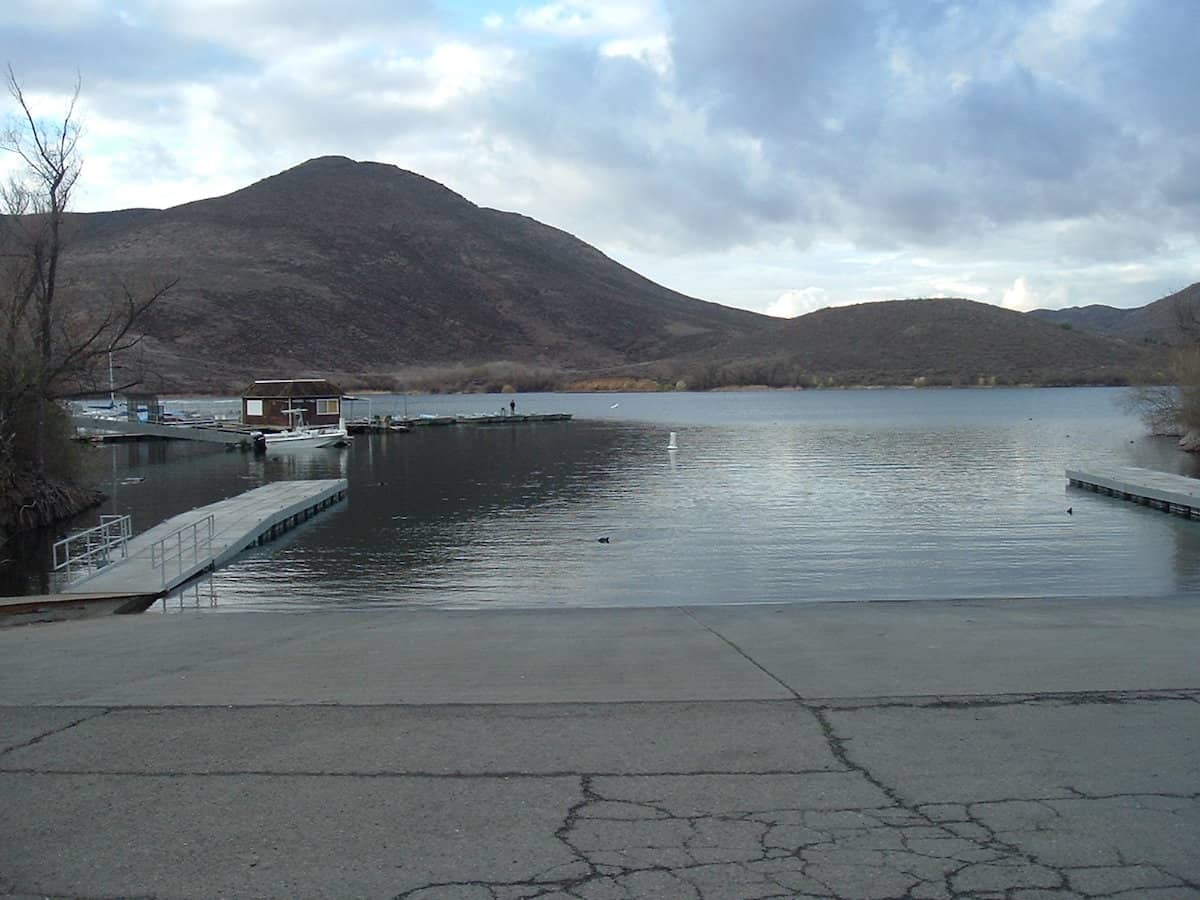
204,434
169,554
402,423
1161,490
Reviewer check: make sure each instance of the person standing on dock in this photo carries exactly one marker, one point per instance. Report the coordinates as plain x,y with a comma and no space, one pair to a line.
512,407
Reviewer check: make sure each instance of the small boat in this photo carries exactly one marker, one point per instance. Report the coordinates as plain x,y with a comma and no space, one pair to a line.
301,435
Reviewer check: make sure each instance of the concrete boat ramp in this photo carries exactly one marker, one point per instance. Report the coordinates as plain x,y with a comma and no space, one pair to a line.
164,557
1010,749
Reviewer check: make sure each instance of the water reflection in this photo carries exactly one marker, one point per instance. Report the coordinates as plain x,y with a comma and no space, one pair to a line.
199,593
424,507
770,497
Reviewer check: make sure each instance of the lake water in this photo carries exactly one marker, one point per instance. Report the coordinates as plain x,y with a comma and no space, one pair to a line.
771,497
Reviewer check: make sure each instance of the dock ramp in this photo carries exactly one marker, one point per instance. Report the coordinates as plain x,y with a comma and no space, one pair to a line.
204,539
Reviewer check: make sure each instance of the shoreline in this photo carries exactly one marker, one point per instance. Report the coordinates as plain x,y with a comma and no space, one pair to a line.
754,388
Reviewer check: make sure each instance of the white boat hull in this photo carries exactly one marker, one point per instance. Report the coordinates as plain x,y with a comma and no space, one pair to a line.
306,437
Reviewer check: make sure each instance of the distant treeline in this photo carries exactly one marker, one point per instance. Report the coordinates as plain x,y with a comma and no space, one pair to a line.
784,374
512,377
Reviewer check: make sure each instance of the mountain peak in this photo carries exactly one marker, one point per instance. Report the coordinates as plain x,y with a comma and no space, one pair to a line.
339,267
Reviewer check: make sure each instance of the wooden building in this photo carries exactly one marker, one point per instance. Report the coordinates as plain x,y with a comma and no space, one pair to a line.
311,402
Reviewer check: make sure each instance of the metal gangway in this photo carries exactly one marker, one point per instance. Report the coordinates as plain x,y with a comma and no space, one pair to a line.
184,549
86,552
171,553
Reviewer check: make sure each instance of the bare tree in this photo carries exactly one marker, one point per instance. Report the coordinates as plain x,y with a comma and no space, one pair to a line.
1174,409
1159,406
37,204
50,348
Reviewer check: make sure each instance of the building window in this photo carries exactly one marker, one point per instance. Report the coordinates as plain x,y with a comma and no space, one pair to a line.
254,407
328,407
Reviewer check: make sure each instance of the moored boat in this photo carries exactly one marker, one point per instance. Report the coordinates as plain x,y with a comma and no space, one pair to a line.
324,436
301,435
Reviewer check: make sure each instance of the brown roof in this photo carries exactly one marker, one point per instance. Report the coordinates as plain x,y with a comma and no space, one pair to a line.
292,387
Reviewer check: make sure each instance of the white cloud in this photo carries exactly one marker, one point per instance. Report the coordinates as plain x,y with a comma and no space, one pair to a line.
796,303
587,18
966,286
653,50
869,151
1019,296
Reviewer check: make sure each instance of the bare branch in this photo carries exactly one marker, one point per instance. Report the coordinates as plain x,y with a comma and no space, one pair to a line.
49,154
109,334
50,345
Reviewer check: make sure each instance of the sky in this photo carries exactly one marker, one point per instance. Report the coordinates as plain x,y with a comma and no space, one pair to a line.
773,155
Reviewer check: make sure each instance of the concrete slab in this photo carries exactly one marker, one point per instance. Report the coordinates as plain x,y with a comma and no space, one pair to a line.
23,725
764,737
1010,749
958,648
417,656
69,663
1031,747
762,796
1095,841
26,610
286,836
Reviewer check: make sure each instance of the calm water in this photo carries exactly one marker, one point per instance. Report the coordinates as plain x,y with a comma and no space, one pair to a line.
772,496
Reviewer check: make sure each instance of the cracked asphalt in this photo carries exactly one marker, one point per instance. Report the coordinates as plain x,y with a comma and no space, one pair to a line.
1002,749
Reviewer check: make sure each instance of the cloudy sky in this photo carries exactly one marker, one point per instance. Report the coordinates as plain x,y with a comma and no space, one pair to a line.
776,155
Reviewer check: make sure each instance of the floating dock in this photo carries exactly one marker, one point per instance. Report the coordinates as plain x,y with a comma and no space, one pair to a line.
493,419
233,434
164,557
106,429
1161,490
380,424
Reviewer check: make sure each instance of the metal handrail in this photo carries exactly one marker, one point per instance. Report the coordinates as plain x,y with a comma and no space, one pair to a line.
93,548
173,547
193,590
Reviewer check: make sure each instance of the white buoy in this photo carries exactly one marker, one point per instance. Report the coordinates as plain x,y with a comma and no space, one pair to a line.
672,445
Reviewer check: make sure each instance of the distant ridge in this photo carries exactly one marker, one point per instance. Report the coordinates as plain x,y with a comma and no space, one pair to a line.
928,342
1155,322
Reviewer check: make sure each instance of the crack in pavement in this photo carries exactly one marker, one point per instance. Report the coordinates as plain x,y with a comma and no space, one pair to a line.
624,847
405,773
829,834
742,653
634,846
37,739
634,843
1050,699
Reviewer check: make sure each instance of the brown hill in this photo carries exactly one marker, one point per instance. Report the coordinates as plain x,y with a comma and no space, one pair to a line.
1156,322
931,342
338,267
362,271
